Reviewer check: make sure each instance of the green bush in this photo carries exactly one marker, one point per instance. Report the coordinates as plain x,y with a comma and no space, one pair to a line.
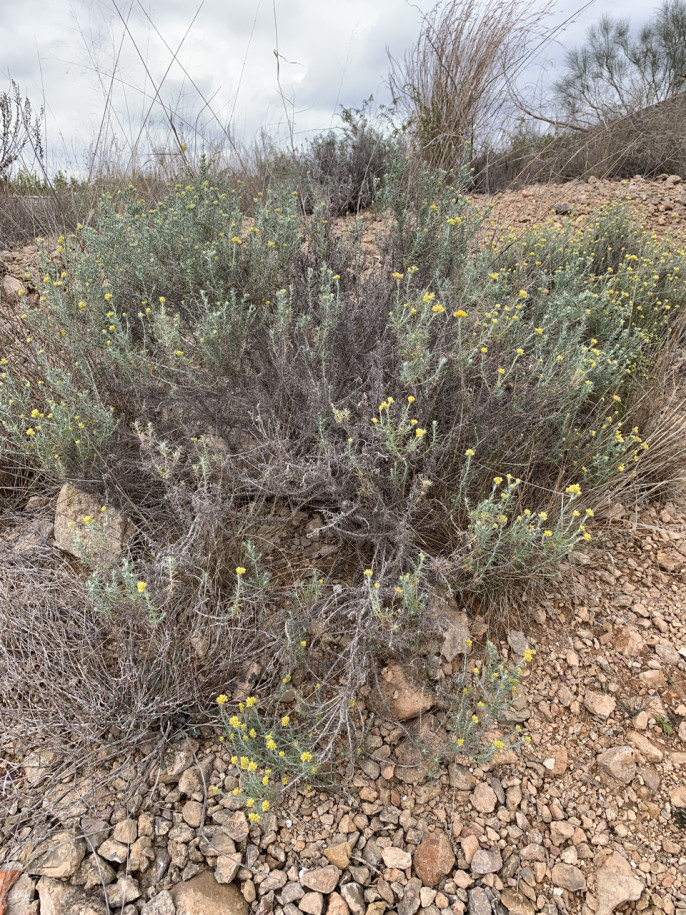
454,414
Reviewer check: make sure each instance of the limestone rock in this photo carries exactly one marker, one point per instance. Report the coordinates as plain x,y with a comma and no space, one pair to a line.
455,638
312,903
12,289
20,899
569,878
412,898
337,905
202,895
484,798
599,704
396,857
113,851
236,826
667,654
321,879
517,642
404,700
126,832
162,904
174,764
618,763
460,777
59,856
628,641
434,859
338,855
616,884
516,903
58,898
125,890
479,903
354,897
103,536
557,760
486,862
645,747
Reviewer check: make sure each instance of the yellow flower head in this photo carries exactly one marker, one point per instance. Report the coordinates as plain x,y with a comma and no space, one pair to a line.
240,570
368,572
285,721
222,699
141,586
250,701
460,313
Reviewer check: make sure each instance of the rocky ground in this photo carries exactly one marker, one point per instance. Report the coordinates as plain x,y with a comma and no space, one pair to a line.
590,817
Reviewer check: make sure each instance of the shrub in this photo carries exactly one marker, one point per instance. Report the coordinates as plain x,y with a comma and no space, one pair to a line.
454,415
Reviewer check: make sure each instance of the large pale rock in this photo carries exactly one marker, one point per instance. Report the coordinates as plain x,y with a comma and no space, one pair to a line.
618,763
645,747
516,903
20,899
58,898
479,903
122,892
628,641
228,861
484,798
569,878
434,859
599,704
455,637
616,884
339,854
404,700
175,763
103,537
321,879
12,289
486,862
354,897
337,905
162,904
202,895
396,857
57,857
312,904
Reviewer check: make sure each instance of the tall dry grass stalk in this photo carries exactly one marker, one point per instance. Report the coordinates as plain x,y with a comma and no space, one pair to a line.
453,85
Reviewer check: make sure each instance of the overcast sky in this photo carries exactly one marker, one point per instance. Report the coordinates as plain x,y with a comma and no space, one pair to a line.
63,53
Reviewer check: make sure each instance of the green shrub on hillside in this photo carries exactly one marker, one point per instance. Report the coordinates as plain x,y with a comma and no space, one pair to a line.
454,413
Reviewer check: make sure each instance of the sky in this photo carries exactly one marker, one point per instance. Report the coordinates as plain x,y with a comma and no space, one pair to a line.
214,61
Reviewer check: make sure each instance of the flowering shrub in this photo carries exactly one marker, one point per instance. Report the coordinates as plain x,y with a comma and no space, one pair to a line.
482,696
455,414
268,758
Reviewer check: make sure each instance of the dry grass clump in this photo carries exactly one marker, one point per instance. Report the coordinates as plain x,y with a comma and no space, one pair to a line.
455,416
453,85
